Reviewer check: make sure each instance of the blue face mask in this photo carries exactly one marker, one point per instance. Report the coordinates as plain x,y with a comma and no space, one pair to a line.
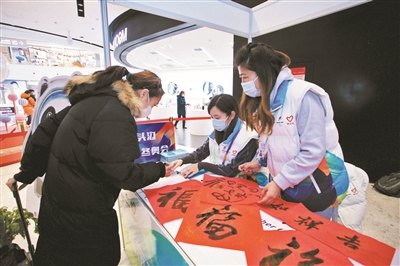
219,124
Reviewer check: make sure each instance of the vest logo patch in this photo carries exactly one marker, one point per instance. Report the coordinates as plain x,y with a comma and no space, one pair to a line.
234,152
290,120
280,122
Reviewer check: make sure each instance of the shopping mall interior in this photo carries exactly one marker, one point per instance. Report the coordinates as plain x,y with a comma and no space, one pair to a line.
349,48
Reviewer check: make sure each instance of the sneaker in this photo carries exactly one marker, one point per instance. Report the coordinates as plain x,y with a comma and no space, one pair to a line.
184,127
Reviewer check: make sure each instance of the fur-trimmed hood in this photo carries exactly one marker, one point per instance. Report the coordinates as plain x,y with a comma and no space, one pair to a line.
81,87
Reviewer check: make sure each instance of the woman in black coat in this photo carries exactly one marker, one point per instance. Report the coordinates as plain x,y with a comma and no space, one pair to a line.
94,146
181,106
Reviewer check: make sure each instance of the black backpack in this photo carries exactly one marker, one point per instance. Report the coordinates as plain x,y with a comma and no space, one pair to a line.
389,184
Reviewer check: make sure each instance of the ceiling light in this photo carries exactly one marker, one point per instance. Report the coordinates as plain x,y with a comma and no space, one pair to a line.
165,46
198,49
204,50
80,7
166,56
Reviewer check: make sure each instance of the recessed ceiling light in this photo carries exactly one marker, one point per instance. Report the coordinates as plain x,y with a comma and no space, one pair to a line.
204,50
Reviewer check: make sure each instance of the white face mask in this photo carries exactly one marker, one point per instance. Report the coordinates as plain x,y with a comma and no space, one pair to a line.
249,88
219,124
147,111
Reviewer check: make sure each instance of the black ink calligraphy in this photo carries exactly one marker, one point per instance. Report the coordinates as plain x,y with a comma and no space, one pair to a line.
351,242
231,191
278,207
218,228
281,254
311,224
182,201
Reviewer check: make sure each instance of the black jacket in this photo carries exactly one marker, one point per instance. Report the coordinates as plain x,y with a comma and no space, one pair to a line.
92,158
181,105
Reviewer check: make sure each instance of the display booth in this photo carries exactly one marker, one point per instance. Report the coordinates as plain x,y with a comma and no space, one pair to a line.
214,220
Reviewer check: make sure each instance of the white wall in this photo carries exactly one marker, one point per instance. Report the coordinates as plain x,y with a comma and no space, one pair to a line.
191,81
32,72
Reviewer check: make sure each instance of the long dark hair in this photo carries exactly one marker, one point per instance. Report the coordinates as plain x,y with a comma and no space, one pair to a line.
140,80
267,63
226,103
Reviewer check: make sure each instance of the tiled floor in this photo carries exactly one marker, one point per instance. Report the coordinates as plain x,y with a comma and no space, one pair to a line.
381,220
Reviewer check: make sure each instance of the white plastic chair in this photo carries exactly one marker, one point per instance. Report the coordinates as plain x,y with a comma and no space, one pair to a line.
353,207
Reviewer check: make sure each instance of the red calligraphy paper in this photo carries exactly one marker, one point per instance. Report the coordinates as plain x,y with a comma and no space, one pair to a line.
278,208
351,243
225,226
292,248
171,202
225,190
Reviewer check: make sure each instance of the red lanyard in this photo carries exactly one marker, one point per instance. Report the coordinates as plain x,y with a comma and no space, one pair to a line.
229,147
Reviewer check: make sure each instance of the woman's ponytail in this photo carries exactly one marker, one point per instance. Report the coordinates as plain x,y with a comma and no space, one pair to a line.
110,75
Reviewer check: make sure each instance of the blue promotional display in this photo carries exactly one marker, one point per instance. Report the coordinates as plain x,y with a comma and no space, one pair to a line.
155,139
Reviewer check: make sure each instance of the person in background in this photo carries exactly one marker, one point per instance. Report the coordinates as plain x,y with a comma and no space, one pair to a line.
29,95
89,151
181,106
295,117
228,146
208,101
43,88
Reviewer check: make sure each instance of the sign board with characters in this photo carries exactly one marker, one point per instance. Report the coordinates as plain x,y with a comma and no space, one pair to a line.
155,138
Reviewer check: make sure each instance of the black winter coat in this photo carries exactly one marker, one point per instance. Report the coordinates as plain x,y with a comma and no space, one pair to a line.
91,159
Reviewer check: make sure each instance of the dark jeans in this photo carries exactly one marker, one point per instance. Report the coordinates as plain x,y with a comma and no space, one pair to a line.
183,121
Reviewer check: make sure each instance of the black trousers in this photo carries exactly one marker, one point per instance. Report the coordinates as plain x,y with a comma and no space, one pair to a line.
183,121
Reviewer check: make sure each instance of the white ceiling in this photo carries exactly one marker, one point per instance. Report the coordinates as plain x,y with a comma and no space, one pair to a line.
199,48
216,40
56,17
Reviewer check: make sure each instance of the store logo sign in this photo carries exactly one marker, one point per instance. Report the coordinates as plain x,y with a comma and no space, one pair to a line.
120,38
